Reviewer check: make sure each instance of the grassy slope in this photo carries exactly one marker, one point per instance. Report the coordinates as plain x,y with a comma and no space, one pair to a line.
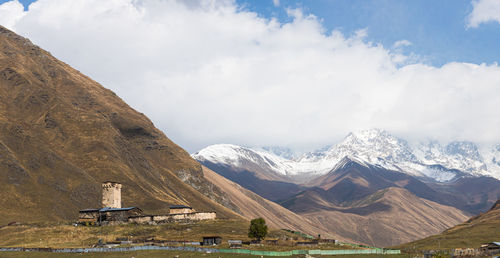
483,228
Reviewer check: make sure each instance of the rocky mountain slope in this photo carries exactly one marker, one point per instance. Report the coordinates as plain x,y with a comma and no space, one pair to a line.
352,179
62,134
252,205
428,160
385,218
365,198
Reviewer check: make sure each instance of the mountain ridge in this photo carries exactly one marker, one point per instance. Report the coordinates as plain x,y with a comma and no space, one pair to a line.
393,215
428,159
350,196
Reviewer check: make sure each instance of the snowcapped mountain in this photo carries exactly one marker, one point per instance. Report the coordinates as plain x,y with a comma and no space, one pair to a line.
377,147
462,156
242,157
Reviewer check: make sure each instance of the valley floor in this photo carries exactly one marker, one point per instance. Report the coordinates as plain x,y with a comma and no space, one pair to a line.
66,235
152,254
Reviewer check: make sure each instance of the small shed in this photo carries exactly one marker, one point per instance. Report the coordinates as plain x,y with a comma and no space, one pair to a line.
492,248
328,241
235,243
271,242
181,209
307,243
88,215
212,240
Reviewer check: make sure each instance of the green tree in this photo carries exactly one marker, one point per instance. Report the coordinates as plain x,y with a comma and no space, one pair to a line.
258,229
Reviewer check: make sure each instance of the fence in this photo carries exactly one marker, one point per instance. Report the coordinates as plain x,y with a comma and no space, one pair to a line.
204,250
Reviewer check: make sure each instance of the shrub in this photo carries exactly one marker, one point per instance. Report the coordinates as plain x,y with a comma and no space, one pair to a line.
258,229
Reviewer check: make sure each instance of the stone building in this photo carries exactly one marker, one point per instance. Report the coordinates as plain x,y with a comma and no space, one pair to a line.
212,240
112,211
118,214
108,215
181,209
111,194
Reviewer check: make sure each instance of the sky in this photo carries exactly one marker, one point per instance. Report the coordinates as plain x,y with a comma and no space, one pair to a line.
301,74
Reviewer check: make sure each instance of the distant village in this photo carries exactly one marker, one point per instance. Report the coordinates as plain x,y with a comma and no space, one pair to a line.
112,211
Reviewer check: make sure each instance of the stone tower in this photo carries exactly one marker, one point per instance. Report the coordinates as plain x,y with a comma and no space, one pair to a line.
111,194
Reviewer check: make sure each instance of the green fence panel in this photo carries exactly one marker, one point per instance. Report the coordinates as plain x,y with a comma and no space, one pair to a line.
300,252
314,251
235,251
271,253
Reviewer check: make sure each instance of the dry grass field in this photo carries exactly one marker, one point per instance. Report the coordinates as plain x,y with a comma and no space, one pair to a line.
70,236
67,235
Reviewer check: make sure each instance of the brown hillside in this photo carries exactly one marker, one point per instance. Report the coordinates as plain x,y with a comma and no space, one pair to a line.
388,217
62,134
483,228
254,206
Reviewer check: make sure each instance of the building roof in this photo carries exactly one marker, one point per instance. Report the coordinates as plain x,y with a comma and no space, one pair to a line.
180,207
105,209
117,209
89,210
112,182
496,243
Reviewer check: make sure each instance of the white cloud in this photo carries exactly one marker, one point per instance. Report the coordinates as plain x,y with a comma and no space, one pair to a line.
276,3
206,72
401,43
10,13
484,11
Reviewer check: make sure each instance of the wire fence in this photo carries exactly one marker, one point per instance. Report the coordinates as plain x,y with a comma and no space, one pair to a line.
202,250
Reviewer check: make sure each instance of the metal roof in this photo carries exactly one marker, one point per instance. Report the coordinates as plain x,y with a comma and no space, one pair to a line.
180,207
89,210
496,243
105,209
116,209
113,182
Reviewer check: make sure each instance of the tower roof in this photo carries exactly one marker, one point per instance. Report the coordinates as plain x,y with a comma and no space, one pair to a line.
110,182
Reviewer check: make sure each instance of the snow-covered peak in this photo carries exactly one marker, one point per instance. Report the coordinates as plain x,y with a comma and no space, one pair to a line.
464,149
374,146
242,157
369,135
220,153
464,156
